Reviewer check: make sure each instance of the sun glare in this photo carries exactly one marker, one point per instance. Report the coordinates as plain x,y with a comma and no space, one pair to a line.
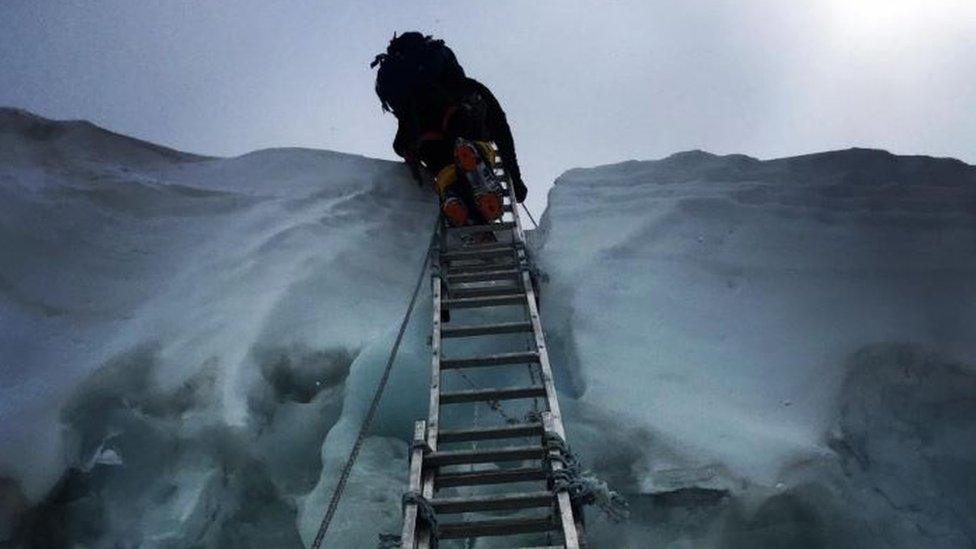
879,22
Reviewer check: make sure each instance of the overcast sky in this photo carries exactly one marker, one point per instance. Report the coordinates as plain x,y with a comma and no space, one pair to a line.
583,83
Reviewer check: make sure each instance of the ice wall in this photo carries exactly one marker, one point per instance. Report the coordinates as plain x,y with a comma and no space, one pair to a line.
178,333
789,343
758,353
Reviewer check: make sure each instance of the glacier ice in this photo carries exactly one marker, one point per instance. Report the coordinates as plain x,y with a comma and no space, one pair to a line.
179,332
757,353
736,322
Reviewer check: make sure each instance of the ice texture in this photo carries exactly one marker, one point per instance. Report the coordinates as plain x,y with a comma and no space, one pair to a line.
179,333
797,336
756,353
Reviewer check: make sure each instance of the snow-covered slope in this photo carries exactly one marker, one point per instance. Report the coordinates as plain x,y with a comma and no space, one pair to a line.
758,354
800,333
181,332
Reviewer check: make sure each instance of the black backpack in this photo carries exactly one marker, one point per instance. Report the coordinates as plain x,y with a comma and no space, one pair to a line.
415,62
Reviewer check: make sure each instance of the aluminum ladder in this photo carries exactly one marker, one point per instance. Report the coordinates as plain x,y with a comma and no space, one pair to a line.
489,481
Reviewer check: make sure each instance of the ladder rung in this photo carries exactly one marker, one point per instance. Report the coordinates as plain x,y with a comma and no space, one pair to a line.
486,329
523,357
490,227
479,276
495,476
478,252
483,246
490,433
482,291
508,264
484,455
489,301
494,502
478,395
506,526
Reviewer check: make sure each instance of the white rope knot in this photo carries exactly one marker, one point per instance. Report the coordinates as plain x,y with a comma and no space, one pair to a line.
583,487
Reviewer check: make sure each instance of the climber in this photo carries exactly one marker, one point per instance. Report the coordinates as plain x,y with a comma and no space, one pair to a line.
447,125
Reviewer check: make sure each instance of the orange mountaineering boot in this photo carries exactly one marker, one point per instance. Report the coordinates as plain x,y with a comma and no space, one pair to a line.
470,157
451,203
455,211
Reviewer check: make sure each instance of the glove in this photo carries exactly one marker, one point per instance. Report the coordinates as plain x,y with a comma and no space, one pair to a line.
520,190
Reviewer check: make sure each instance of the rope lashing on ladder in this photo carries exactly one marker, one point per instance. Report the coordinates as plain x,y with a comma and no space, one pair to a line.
582,486
569,478
374,404
425,514
533,416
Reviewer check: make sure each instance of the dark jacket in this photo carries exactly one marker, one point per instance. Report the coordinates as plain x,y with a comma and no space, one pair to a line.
432,116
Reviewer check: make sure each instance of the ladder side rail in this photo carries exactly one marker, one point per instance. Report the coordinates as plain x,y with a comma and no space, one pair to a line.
543,352
553,416
433,412
540,338
408,538
425,540
572,525
426,471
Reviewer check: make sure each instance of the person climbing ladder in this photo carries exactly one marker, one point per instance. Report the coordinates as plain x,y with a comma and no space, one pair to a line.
447,124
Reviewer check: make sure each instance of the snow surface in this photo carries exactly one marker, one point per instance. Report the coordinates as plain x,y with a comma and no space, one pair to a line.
756,353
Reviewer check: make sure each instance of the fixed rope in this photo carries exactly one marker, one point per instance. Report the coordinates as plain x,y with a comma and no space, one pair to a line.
532,219
374,404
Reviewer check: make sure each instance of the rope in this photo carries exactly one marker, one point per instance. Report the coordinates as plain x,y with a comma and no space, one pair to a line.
532,219
583,487
373,406
425,513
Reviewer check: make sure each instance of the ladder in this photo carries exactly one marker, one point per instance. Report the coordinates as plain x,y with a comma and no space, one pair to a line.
486,481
